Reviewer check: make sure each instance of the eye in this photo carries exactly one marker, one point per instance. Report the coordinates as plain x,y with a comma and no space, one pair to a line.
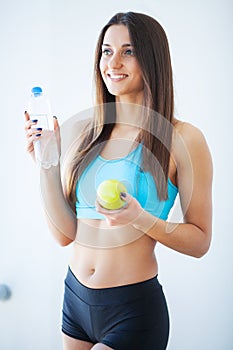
128,52
106,52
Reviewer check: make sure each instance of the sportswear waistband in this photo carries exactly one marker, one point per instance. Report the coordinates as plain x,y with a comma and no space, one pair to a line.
85,212
111,295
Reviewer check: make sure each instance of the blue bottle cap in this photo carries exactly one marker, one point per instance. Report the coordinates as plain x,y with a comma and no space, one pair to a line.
36,90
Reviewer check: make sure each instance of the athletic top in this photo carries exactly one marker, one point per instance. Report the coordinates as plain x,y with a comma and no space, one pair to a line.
139,184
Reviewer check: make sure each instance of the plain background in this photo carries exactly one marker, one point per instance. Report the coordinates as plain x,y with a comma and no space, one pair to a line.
51,43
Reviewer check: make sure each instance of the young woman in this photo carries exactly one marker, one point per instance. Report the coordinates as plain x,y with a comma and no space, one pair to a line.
113,299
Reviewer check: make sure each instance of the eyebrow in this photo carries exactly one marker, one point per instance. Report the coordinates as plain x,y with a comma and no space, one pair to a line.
124,45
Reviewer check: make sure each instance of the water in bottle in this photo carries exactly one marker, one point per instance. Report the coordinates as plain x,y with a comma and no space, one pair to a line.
46,150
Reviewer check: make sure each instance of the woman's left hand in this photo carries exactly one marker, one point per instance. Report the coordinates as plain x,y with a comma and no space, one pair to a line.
123,216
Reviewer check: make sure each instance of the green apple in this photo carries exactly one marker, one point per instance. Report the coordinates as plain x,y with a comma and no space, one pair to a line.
109,194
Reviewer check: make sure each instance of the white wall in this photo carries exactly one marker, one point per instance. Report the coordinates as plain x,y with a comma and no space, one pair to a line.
51,43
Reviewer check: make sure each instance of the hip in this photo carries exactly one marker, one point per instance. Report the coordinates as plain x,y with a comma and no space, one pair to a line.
134,315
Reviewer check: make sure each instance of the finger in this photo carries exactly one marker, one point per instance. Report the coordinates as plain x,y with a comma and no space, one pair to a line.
29,123
33,132
108,212
101,209
27,116
55,123
126,197
28,120
30,147
30,142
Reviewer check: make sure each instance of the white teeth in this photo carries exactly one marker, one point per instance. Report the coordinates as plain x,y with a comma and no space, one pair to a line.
120,76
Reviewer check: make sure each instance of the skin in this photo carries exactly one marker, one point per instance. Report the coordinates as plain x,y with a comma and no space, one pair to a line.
119,67
190,170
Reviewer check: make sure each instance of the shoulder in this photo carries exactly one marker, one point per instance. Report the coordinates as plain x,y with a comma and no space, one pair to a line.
188,140
188,132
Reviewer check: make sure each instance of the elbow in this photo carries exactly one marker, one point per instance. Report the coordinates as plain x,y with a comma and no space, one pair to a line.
65,239
202,249
199,254
62,239
65,242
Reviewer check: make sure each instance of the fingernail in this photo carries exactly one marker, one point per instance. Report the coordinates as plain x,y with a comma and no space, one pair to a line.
39,129
123,194
37,135
34,120
25,112
54,117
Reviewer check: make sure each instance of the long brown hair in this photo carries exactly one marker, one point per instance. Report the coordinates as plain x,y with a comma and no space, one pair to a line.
152,53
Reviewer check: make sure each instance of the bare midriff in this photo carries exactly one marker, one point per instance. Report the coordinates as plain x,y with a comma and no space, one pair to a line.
106,256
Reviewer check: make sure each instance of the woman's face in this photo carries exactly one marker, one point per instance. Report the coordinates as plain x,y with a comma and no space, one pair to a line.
119,67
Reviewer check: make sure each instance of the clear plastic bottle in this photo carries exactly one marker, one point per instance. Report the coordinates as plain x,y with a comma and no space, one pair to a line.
46,150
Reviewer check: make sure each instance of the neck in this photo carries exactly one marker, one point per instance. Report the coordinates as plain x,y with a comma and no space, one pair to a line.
134,98
129,114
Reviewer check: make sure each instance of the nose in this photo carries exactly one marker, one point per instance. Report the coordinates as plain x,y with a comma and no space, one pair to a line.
115,61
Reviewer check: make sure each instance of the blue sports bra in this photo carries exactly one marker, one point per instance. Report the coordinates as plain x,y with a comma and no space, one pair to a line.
139,184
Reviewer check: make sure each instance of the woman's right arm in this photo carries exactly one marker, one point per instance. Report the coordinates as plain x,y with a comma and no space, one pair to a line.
61,218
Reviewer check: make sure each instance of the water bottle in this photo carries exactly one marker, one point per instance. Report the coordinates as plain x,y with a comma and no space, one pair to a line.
46,150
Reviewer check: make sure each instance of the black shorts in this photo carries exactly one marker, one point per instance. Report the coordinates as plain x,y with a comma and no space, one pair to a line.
133,316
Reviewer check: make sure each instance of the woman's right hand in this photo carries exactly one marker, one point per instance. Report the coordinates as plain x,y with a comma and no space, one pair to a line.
33,134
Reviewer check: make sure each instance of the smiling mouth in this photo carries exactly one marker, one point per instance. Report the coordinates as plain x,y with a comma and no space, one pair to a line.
117,77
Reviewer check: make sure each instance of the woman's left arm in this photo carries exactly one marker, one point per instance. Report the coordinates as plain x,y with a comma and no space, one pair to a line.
194,177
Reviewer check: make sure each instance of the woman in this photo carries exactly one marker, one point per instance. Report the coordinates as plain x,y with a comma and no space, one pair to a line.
113,299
